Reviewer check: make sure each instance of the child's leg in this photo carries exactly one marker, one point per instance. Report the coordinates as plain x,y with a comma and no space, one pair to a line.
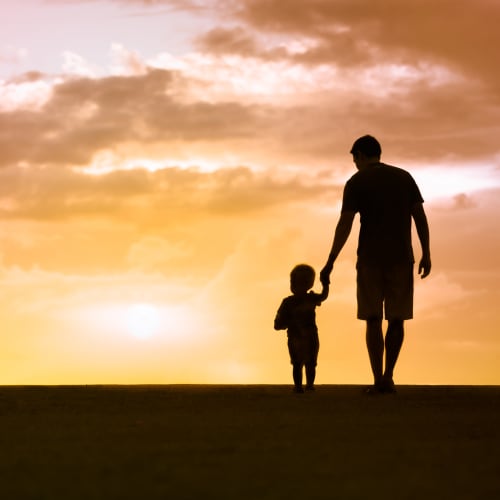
311,361
297,376
310,375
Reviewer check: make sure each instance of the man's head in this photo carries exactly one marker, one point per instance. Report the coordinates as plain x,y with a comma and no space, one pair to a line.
302,278
365,151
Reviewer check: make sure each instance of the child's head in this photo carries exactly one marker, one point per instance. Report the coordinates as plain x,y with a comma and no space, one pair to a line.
302,278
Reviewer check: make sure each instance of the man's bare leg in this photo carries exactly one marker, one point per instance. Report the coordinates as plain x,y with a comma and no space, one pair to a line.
310,376
297,377
393,342
375,346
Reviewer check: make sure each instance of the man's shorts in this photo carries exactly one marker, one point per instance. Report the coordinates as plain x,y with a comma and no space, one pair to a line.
386,290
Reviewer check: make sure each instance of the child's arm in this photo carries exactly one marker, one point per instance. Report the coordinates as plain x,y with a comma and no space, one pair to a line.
326,289
281,319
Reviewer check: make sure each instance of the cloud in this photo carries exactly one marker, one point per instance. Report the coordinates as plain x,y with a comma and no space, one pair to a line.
152,251
127,62
463,201
401,79
83,116
355,33
417,29
54,193
240,41
272,85
186,5
12,55
76,65
27,92
441,293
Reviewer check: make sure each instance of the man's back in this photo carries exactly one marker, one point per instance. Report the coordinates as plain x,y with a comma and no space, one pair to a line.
384,196
388,199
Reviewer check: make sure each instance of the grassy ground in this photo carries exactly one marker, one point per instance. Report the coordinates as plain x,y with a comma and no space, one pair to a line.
248,442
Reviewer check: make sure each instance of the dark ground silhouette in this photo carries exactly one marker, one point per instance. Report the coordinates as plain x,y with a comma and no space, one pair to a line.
248,442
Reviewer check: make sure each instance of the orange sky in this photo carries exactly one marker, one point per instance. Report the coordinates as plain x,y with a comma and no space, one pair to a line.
165,163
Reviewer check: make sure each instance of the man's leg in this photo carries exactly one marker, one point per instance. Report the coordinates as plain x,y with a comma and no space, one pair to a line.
310,375
398,307
393,342
297,377
375,346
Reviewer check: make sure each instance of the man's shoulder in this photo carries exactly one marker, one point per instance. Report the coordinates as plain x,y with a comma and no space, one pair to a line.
395,170
380,171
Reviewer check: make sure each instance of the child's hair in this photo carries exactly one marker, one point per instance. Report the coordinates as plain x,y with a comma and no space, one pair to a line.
304,275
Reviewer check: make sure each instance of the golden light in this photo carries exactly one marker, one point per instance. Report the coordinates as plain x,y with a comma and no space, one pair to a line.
112,324
143,321
449,180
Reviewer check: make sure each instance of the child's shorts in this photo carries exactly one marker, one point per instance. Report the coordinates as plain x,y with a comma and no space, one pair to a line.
304,350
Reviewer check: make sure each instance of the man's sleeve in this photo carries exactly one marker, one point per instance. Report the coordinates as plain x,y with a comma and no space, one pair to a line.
416,195
349,198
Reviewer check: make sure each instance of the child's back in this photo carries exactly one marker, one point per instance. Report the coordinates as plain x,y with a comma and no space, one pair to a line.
297,315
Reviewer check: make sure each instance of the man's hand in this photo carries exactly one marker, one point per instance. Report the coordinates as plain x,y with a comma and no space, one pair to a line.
424,267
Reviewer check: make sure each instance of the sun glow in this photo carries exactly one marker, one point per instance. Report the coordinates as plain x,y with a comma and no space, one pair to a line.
106,162
146,321
143,321
114,323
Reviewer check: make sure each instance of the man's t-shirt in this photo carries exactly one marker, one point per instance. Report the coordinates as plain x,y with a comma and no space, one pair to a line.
384,196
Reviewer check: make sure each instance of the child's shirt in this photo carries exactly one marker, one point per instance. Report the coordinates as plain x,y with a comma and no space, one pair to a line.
297,314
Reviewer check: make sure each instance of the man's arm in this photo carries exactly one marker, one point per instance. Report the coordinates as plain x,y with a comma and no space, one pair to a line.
418,214
342,232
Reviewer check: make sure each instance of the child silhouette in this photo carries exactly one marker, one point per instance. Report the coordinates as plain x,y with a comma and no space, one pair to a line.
297,315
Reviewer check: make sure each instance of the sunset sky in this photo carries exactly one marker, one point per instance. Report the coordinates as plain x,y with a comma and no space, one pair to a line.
165,163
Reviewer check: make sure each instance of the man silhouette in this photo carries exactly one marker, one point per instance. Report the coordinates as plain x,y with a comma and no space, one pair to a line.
387,199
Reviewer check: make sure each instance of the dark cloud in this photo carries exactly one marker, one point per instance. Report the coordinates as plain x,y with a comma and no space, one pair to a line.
28,77
461,37
459,33
85,115
230,40
434,117
463,201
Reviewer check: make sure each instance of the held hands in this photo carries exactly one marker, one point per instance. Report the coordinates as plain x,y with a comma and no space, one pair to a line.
324,275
